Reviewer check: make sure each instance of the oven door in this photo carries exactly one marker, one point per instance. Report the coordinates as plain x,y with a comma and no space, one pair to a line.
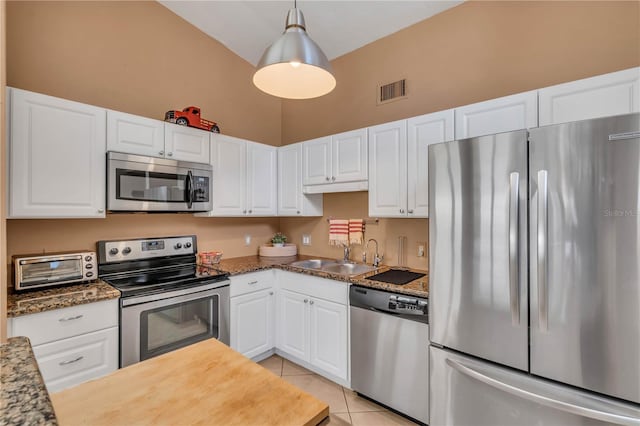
138,183
154,327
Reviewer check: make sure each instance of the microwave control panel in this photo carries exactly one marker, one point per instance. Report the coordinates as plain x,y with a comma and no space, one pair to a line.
201,188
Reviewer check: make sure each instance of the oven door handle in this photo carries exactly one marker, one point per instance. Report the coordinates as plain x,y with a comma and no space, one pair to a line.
196,292
189,192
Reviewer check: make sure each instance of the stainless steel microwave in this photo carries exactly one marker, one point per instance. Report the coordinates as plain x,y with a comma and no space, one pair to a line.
136,183
37,271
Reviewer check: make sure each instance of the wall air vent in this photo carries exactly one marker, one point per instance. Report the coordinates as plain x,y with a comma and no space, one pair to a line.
392,91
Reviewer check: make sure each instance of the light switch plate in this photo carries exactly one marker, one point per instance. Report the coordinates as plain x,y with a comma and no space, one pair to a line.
306,240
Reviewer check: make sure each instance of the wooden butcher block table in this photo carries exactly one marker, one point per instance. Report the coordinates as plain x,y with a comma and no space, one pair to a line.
203,384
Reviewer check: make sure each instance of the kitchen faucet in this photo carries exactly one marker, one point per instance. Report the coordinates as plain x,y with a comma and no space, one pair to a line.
376,258
347,252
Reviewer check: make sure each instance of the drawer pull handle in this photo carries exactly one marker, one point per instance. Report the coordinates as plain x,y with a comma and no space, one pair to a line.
71,361
71,318
252,282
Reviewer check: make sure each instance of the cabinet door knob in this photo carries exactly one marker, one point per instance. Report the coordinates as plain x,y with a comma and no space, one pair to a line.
244,212
100,210
410,212
298,212
306,300
333,178
327,178
250,211
311,303
170,154
161,153
401,210
270,293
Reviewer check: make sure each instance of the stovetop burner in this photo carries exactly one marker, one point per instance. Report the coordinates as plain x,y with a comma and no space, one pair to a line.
149,266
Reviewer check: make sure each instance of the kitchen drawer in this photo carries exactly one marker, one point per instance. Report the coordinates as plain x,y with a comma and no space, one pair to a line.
254,281
71,361
59,324
334,291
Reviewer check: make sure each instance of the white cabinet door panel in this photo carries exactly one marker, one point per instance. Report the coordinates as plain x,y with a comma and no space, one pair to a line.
388,165
134,134
328,331
601,96
293,324
290,180
186,144
316,156
349,156
423,131
253,322
229,160
68,362
56,156
515,112
262,175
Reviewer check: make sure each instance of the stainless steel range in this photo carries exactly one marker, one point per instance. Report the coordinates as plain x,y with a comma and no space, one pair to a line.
167,301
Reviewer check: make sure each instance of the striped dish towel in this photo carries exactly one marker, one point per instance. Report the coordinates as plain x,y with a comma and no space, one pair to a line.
338,232
356,231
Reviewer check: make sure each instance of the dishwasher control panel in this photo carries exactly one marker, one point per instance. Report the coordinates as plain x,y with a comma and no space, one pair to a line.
407,305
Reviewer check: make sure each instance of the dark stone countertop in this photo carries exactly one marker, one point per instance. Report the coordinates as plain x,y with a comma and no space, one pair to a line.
24,399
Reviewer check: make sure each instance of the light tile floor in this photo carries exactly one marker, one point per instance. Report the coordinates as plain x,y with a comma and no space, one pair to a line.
345,406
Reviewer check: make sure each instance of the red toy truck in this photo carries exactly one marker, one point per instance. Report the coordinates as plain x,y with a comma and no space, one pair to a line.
190,116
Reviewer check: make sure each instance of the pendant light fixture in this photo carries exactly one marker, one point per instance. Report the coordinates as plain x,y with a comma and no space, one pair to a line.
294,67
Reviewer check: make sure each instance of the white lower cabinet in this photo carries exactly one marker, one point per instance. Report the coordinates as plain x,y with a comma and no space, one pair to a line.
313,325
74,344
253,322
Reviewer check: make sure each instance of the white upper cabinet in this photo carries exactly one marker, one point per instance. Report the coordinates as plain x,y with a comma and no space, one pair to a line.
349,156
56,157
184,143
291,200
388,164
317,161
601,96
336,163
133,134
423,131
262,179
244,177
499,115
398,163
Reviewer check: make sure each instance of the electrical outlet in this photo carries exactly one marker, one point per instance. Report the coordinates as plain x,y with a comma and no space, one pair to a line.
306,240
247,240
421,248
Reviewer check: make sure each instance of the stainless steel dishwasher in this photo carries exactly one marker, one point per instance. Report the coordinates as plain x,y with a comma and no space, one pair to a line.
390,350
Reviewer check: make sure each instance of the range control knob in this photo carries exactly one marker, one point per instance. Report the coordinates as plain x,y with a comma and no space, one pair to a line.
126,250
89,274
88,258
187,245
177,246
113,251
88,266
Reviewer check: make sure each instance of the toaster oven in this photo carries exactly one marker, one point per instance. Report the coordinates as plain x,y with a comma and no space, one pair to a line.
37,271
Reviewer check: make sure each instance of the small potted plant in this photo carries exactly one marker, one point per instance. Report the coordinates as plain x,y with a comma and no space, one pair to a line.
279,239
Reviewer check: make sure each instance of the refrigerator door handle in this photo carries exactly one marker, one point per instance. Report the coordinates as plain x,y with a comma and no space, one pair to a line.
542,250
514,244
548,401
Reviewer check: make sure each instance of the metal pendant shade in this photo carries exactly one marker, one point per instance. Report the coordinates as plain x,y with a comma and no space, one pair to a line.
294,67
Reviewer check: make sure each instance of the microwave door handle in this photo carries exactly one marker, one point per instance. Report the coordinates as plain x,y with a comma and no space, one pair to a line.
189,189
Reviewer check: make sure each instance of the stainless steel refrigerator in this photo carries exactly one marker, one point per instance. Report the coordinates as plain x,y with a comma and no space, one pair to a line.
535,276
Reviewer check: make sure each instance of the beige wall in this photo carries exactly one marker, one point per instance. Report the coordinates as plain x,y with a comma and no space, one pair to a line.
476,51
354,205
137,57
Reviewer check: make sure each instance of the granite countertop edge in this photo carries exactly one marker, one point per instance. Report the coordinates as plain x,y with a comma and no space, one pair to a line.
23,395
247,264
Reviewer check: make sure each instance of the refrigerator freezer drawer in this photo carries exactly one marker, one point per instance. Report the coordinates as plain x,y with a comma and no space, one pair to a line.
465,391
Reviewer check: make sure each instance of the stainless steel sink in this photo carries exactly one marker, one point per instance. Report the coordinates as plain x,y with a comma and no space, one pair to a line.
334,266
349,269
316,264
